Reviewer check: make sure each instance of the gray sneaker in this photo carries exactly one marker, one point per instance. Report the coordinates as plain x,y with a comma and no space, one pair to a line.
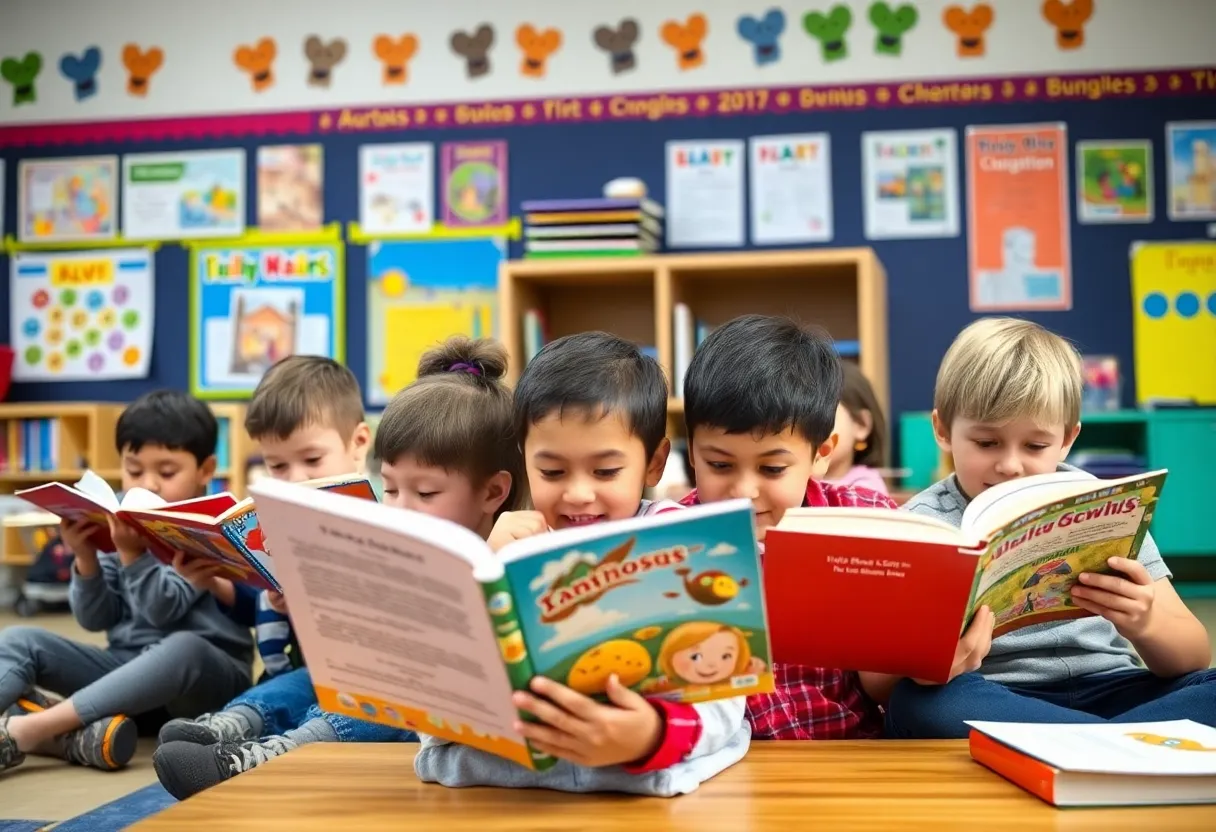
107,744
10,756
185,769
208,729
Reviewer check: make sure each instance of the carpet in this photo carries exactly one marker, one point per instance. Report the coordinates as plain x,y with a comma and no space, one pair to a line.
23,825
119,814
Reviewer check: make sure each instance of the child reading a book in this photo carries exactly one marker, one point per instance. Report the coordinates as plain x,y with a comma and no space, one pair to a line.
591,413
861,429
446,448
168,644
1007,405
760,404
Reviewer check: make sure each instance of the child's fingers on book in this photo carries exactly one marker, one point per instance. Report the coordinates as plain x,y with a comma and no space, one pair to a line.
547,713
1108,600
550,740
1133,570
1117,584
565,698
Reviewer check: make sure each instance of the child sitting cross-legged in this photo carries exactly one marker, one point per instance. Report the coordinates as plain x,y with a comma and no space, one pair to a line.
591,414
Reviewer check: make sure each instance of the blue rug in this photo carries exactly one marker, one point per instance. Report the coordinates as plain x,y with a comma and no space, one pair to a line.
22,825
119,814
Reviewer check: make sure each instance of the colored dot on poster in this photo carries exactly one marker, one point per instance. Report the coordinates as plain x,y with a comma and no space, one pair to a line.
79,319
96,362
130,356
115,341
130,319
1212,304
95,300
120,295
31,328
105,319
67,297
54,335
74,348
41,299
92,337
1156,305
33,355
394,283
54,362
1187,304
56,315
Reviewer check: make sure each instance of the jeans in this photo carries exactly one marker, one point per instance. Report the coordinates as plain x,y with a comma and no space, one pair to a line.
281,701
938,712
357,730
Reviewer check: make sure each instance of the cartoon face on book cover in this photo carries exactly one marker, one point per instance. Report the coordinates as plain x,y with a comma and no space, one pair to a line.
674,611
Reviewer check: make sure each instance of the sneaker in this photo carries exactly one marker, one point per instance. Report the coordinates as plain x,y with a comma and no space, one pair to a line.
31,702
10,756
208,729
186,768
107,744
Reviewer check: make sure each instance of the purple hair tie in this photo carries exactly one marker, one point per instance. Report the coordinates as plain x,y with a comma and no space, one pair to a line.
463,367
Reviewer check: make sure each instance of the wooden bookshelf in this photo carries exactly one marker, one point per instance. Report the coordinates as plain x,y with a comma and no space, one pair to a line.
235,448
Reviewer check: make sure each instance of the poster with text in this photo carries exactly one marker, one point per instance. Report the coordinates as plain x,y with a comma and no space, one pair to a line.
81,316
397,188
1114,181
791,189
420,292
291,187
474,184
67,200
705,196
1017,210
176,196
1191,151
253,305
910,182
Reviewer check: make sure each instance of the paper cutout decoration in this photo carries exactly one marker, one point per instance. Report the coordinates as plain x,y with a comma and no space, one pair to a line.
82,72
475,49
322,58
395,55
969,27
764,35
258,62
141,66
891,25
1069,20
686,38
22,74
538,46
618,43
830,30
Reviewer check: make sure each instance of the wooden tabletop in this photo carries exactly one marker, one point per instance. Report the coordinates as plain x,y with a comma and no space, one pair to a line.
778,787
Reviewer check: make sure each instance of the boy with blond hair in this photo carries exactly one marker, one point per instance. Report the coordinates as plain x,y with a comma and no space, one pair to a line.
1007,405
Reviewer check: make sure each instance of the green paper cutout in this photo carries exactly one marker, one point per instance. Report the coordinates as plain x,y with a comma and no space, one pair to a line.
830,30
21,74
892,25
33,355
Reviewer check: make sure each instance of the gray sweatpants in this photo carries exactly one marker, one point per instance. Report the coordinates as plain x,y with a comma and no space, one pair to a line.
183,673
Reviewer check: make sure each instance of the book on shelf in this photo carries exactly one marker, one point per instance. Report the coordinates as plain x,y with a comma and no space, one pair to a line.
892,591
30,445
591,247
1123,764
592,228
412,621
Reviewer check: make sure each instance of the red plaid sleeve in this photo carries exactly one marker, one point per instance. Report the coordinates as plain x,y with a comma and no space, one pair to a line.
813,703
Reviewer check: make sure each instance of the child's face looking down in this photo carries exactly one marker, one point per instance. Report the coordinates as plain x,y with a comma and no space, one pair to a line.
986,454
587,468
315,451
449,495
172,474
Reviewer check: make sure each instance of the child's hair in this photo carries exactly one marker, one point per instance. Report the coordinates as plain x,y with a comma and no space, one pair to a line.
693,633
303,390
596,373
999,369
762,374
171,419
457,416
857,396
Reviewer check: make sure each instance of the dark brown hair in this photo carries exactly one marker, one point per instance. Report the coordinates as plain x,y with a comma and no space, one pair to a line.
858,397
305,390
457,416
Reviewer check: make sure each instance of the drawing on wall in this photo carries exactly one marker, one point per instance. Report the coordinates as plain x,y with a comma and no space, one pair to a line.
1069,20
1114,181
290,187
267,323
790,184
537,45
474,49
174,196
474,183
890,26
830,30
257,62
618,43
687,39
395,54
396,188
81,70
969,28
1191,162
910,182
141,66
322,57
66,200
22,73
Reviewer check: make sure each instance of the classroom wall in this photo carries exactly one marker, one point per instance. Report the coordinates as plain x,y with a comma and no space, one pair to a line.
198,98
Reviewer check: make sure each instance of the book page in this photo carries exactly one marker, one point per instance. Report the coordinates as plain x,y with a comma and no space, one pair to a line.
92,485
1003,503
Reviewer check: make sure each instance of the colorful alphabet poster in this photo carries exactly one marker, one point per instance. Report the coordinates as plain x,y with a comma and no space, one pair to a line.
791,189
67,200
253,305
1115,181
397,188
1174,321
420,292
705,196
1018,225
474,189
81,316
910,182
1191,147
175,196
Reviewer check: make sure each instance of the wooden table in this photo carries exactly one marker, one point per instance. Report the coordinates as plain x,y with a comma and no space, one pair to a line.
778,787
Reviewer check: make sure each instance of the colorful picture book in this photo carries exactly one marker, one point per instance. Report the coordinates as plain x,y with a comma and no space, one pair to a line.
404,617
891,591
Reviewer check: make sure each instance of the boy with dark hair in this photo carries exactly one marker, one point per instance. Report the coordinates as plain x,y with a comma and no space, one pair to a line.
169,645
760,403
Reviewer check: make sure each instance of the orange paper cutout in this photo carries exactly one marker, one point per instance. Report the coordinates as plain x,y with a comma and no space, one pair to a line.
537,47
395,55
969,27
686,39
1069,20
141,66
258,61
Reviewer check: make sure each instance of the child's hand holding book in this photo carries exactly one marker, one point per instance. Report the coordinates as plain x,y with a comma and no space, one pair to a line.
206,576
129,543
1125,599
77,536
973,647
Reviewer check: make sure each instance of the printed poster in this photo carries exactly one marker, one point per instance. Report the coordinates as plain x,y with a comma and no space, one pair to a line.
791,189
3,198
397,188
419,292
705,194
910,182
1115,181
474,178
253,305
1018,225
175,196
291,187
1191,150
81,316
67,200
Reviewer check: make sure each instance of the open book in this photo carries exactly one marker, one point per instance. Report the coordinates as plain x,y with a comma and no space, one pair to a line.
412,621
891,591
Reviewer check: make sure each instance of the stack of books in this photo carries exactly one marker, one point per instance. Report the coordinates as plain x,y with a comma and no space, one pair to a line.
592,227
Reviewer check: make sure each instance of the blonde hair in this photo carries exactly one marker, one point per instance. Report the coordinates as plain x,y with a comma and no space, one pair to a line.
1000,369
693,633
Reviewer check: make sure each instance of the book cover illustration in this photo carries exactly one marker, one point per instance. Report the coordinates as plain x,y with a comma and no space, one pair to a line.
201,538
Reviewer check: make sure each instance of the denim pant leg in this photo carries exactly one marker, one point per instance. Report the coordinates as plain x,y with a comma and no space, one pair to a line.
358,730
1192,696
281,701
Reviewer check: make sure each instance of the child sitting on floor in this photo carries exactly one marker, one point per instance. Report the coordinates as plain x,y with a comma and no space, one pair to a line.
861,430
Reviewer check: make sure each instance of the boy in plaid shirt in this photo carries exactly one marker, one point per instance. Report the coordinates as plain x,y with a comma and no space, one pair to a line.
763,433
